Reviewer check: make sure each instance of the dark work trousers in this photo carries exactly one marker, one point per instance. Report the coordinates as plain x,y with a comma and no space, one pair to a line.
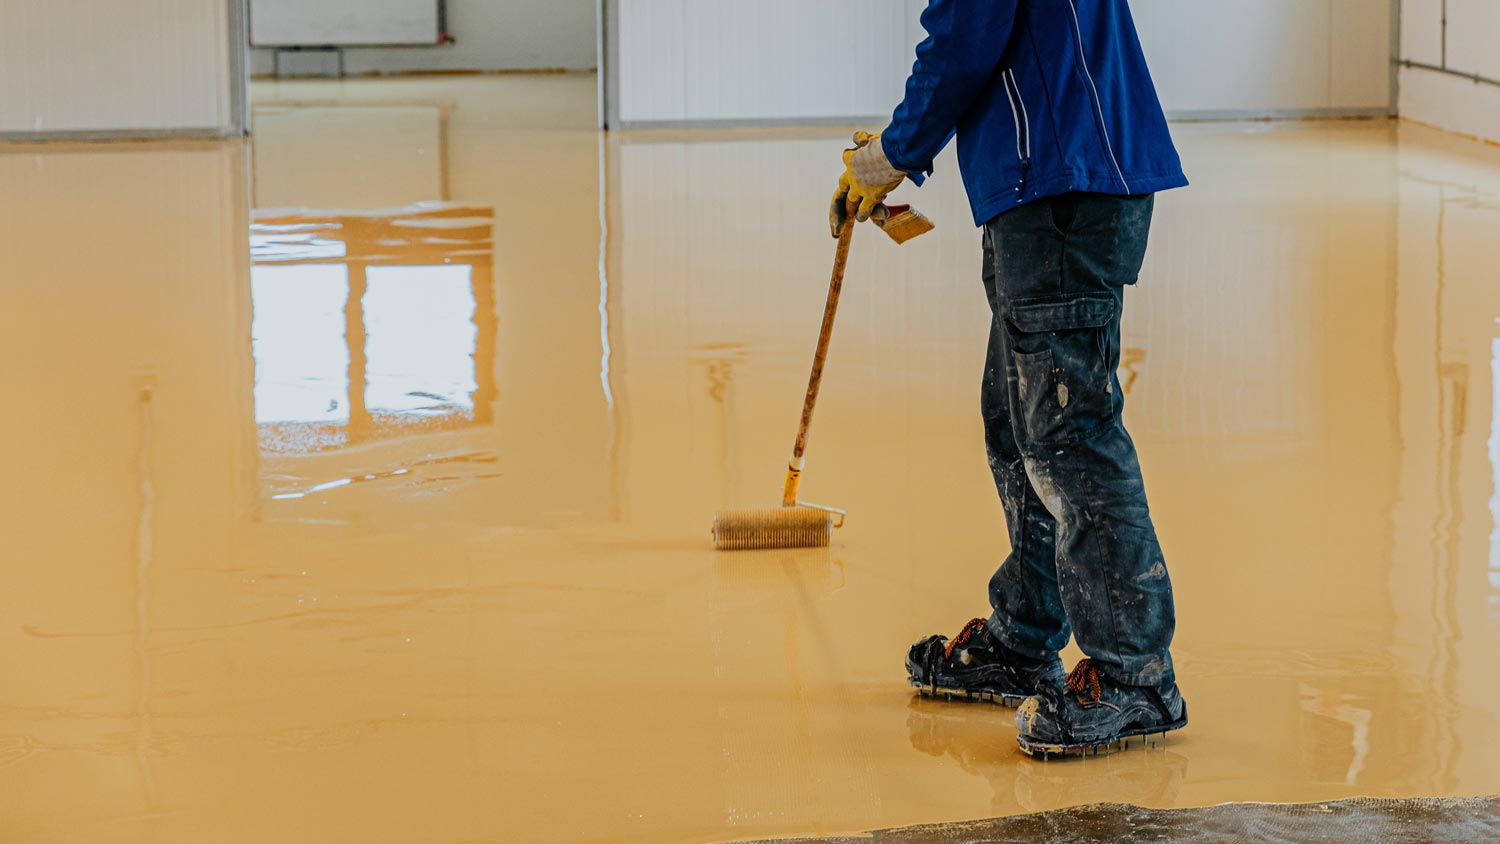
1084,556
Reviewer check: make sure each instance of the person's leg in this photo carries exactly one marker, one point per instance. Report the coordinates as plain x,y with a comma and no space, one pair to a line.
1012,654
1061,266
1028,614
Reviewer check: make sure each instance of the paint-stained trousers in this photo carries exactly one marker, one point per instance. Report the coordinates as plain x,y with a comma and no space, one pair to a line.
1084,556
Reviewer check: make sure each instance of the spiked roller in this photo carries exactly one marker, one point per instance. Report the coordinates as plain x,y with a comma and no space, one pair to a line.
779,527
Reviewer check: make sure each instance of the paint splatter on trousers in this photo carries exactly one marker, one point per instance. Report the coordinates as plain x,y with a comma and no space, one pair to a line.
1085,560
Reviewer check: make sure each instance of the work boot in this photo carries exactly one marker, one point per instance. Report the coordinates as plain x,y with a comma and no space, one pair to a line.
975,666
1093,714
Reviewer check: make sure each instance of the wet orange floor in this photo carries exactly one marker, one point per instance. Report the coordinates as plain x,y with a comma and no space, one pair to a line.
389,522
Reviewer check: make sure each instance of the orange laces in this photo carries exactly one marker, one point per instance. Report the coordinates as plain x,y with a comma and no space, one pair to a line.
972,629
1085,676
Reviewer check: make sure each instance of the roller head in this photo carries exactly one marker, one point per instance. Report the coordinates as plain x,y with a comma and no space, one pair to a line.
782,527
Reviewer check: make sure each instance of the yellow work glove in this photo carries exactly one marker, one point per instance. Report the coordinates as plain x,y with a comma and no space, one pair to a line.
868,177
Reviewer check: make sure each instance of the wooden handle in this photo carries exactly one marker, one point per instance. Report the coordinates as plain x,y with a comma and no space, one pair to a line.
830,309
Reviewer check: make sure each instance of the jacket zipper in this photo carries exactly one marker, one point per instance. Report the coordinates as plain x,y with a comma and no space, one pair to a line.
1022,121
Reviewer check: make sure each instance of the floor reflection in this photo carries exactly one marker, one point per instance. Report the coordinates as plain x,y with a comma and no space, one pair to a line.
405,515
371,325
1494,450
1152,776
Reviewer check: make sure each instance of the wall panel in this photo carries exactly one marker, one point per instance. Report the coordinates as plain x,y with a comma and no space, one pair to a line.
1474,36
144,67
1422,30
716,61
713,61
1450,75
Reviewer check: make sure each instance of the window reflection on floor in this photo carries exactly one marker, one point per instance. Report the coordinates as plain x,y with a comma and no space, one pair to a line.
419,343
369,326
301,359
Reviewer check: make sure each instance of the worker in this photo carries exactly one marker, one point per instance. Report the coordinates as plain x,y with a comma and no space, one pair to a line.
1062,145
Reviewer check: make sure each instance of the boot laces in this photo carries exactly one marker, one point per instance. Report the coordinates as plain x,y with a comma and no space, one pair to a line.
972,629
1084,679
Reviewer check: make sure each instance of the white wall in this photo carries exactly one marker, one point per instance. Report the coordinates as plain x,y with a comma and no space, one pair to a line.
1469,44
142,67
1269,56
689,61
722,60
489,35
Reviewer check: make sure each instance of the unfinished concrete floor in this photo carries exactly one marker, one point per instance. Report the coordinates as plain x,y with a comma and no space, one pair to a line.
430,562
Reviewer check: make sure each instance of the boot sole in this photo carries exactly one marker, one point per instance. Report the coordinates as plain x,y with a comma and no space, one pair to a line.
968,696
1047,750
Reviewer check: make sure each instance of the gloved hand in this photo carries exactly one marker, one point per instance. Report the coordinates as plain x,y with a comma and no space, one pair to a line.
868,177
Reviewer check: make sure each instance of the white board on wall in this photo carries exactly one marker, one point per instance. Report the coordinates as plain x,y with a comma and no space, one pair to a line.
287,23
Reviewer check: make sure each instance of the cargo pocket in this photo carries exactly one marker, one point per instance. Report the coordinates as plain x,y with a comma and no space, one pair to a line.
1060,348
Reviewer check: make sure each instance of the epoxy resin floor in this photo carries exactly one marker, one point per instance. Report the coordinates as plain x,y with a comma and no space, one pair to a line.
380,513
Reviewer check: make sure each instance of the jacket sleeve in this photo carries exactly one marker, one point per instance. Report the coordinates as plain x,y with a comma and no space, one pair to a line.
965,39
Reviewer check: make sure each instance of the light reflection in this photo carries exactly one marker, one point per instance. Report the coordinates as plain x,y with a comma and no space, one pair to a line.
293,242
297,333
341,482
604,349
1494,450
371,325
420,340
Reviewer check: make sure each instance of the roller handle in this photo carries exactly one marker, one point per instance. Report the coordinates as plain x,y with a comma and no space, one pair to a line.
820,356
793,480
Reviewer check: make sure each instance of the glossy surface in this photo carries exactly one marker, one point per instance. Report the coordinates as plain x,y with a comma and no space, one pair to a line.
431,563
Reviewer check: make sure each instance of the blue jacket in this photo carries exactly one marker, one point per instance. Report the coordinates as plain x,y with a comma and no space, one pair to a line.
1046,96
